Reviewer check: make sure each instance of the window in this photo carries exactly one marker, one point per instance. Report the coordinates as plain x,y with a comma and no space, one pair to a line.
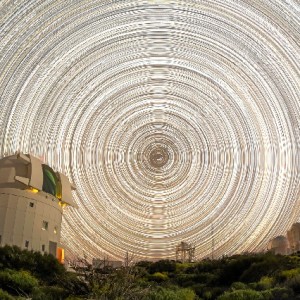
51,183
31,204
45,225
55,230
43,248
26,244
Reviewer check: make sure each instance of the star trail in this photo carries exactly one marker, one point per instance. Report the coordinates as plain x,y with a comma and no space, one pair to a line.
175,120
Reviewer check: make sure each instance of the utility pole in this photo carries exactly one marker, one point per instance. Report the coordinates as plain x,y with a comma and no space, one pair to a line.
126,260
212,241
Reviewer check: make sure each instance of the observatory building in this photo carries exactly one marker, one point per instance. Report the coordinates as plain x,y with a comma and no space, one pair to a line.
293,236
279,245
32,197
286,244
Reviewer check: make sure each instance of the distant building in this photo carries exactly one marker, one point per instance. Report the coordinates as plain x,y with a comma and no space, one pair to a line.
279,245
286,245
103,263
32,197
293,236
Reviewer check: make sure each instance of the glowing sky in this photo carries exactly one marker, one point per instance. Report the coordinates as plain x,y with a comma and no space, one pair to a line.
176,120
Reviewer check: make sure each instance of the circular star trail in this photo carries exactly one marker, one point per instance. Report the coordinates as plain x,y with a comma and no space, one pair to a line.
175,120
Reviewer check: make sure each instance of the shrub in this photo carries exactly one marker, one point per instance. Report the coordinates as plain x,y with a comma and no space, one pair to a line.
259,269
158,277
43,266
73,285
185,279
199,288
294,283
38,294
162,266
207,292
267,294
241,295
287,274
182,267
207,278
49,293
5,296
278,293
207,266
233,270
239,286
47,268
265,283
207,295
169,294
17,282
186,294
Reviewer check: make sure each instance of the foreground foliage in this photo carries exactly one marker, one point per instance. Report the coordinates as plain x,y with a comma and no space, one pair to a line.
27,274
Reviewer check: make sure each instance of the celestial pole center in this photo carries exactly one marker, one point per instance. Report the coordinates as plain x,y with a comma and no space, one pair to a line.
159,157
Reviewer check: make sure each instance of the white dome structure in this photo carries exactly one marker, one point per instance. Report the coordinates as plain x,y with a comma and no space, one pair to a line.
32,197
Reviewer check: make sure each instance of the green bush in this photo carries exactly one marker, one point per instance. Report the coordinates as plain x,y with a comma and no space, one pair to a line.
278,293
260,269
207,266
208,295
240,277
199,288
241,295
287,274
294,283
239,286
185,279
267,294
5,296
162,266
158,277
207,278
49,293
144,264
265,283
169,294
186,294
182,267
43,266
233,269
73,285
48,268
17,282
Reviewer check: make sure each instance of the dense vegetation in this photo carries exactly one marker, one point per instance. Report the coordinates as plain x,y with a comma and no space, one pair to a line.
26,274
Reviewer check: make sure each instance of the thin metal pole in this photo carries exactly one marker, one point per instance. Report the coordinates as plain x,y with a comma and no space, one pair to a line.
213,241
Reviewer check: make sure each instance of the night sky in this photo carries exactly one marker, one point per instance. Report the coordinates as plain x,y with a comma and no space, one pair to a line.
175,120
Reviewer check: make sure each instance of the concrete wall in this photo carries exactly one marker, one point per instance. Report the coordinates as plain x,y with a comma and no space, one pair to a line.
22,214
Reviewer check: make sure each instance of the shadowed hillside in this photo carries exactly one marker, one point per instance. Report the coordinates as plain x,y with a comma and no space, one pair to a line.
26,274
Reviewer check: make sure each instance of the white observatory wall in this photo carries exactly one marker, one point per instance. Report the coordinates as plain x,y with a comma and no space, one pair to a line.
21,219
